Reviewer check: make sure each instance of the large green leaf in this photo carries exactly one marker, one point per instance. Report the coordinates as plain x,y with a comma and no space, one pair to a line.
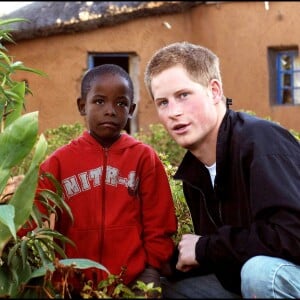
5,282
7,215
78,263
4,176
23,201
18,139
15,102
40,152
23,198
19,66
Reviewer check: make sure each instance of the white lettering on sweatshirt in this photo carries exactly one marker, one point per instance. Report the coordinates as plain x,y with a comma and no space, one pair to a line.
86,180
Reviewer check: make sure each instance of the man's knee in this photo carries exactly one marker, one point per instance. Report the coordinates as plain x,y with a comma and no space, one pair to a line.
270,277
249,277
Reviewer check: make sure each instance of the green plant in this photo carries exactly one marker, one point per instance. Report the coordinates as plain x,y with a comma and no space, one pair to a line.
22,255
18,137
113,287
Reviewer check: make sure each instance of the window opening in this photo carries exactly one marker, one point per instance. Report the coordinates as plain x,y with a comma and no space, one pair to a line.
287,77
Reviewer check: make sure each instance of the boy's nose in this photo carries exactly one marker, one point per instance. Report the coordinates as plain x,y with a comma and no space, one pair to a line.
110,109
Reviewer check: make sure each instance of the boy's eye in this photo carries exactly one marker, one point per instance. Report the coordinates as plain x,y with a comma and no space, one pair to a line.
99,101
123,103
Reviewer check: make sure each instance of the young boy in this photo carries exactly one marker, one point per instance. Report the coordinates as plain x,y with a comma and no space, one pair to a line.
116,186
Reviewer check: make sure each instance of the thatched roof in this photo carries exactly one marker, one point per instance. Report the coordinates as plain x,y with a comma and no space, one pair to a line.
49,18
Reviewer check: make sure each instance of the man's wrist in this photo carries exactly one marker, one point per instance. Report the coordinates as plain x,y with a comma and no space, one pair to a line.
200,248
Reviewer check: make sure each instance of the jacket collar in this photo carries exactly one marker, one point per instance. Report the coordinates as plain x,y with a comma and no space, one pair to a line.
222,151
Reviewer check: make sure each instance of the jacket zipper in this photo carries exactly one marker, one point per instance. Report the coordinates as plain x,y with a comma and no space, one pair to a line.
219,204
207,211
103,179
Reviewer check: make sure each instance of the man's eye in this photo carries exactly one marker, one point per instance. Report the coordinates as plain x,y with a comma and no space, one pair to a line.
183,95
162,103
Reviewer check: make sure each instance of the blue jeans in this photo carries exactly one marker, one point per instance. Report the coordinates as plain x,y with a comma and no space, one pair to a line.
270,277
261,277
204,286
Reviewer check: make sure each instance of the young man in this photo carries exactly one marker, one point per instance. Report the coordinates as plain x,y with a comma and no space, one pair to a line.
241,181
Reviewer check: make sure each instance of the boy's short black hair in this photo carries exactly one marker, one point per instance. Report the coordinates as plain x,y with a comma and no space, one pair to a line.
104,69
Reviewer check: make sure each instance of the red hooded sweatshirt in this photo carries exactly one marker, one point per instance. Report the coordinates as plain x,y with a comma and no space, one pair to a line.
124,215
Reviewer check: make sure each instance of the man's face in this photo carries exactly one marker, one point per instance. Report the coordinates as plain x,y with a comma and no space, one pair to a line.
186,108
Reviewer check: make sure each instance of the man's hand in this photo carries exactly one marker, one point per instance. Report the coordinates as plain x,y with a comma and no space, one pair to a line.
187,252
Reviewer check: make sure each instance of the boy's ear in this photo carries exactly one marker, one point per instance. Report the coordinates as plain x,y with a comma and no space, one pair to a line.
81,106
131,110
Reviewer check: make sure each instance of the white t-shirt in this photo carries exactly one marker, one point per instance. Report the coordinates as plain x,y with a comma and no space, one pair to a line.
212,172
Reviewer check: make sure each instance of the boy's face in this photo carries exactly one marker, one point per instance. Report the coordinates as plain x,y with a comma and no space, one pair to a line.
186,108
107,107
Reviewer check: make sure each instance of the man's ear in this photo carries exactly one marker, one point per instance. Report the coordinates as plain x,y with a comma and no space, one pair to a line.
216,89
81,106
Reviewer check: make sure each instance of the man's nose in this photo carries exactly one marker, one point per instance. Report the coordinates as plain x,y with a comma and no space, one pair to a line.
174,109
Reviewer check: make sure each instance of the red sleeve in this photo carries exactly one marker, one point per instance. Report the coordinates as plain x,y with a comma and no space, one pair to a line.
158,210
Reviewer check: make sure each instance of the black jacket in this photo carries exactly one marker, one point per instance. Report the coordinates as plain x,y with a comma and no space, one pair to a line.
254,206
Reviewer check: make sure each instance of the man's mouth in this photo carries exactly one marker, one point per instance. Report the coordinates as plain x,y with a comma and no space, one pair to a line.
180,128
